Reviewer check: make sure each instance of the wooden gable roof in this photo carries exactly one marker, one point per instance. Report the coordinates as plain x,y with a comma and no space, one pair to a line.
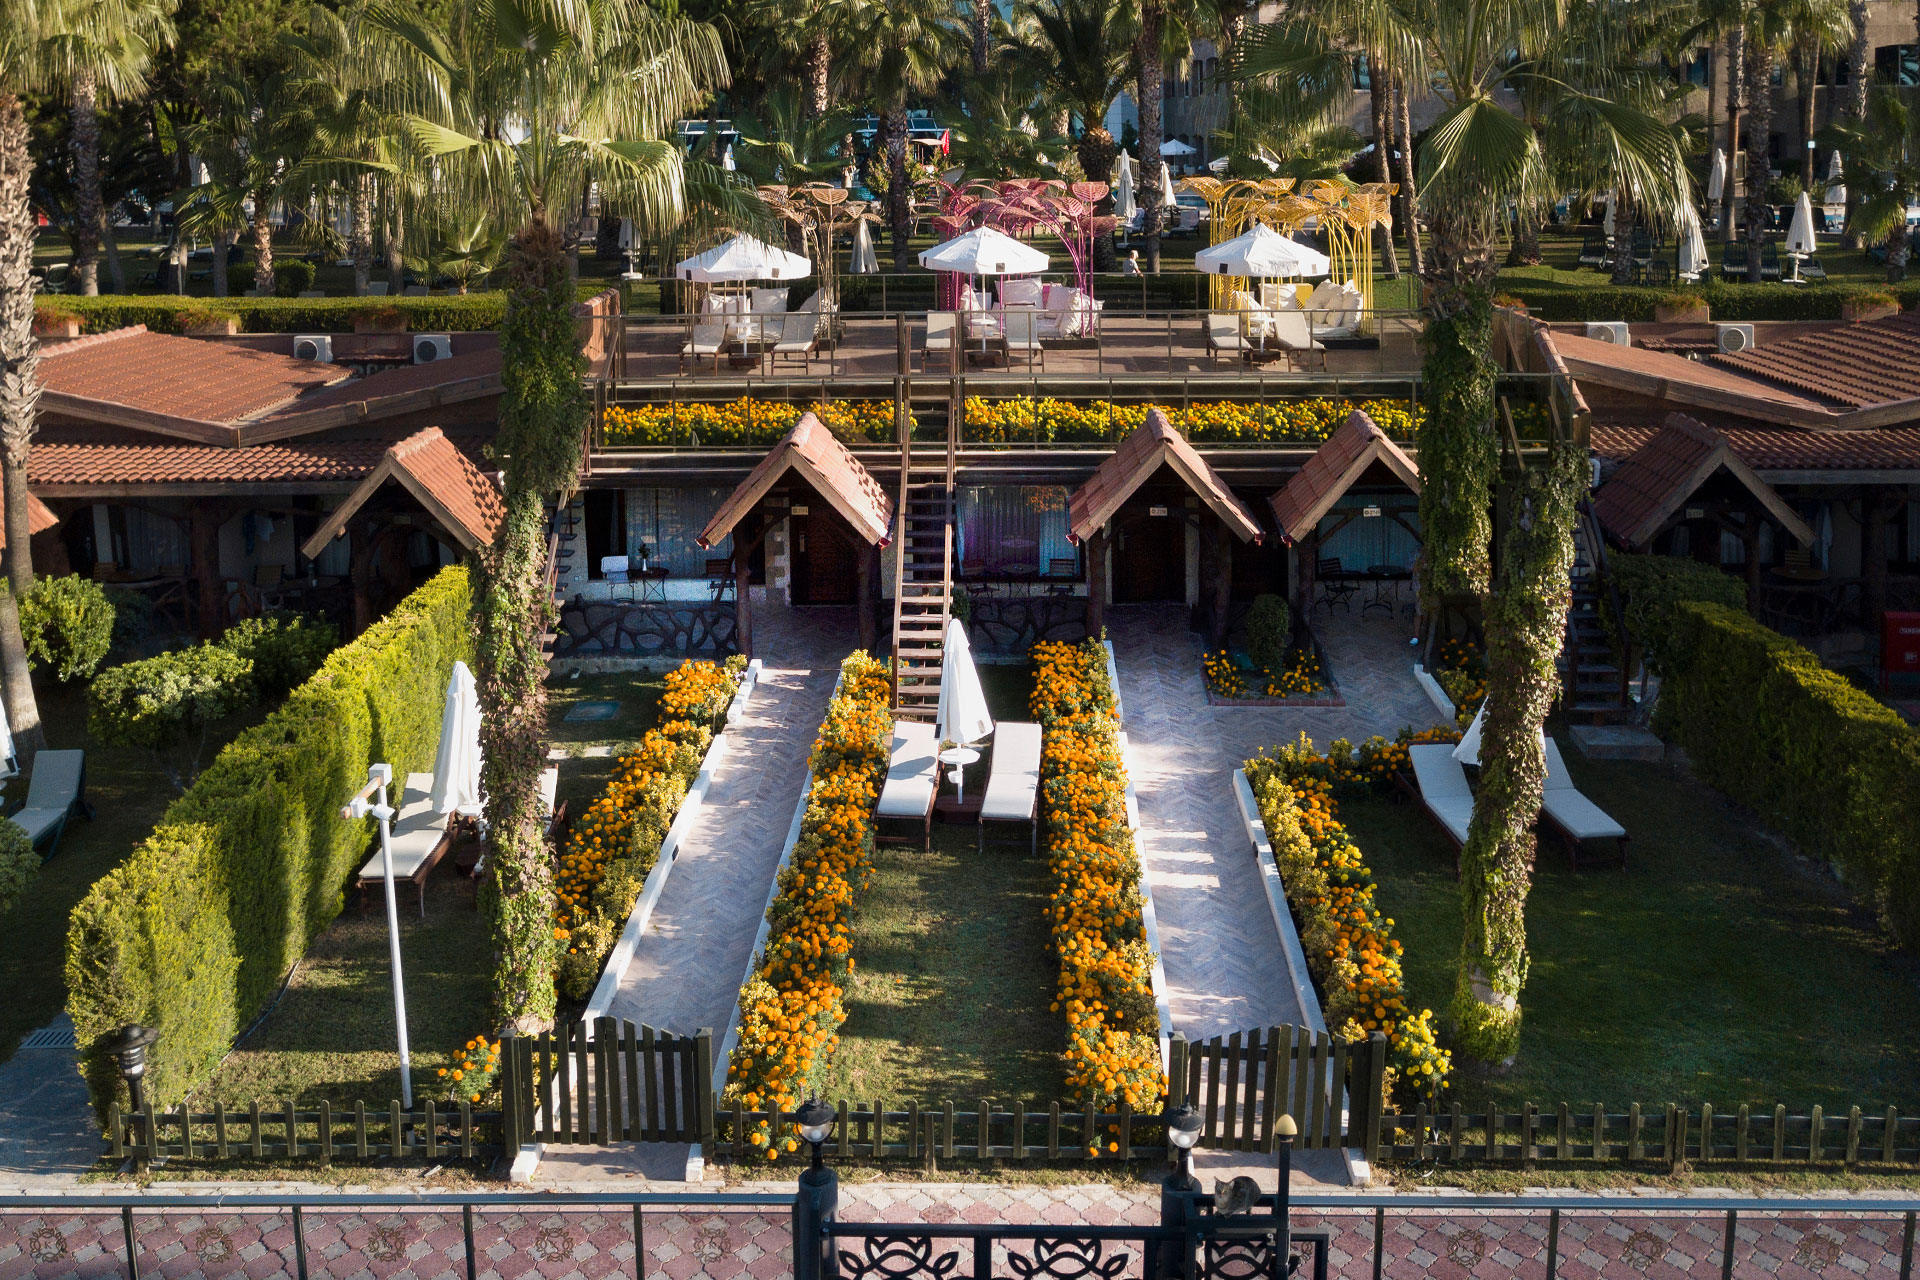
1640,498
1339,462
813,453
1152,445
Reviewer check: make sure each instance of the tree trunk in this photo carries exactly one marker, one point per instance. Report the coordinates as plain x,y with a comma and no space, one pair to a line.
899,184
396,244
1759,129
1380,104
819,72
262,246
1526,620
13,491
606,236
1459,452
1736,94
1409,196
1097,153
1809,101
23,712
1714,75
203,541
1623,216
88,213
1526,236
19,349
982,35
116,272
1149,76
221,240
360,233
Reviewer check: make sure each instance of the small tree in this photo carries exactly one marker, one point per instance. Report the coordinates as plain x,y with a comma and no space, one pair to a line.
19,863
163,702
1269,626
67,624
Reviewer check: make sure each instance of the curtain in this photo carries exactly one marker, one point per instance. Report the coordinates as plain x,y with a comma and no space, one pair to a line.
154,541
1014,529
1366,541
667,523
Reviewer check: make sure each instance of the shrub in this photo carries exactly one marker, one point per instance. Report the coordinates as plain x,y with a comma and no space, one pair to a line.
438,313
1269,628
156,702
1099,933
1652,586
284,651
133,615
194,931
1553,300
292,277
792,1007
19,863
68,624
1821,761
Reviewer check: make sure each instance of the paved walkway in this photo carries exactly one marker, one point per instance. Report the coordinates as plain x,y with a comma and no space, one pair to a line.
47,1135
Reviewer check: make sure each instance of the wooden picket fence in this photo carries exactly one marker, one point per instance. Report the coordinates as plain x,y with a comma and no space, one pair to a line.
608,1081
1671,1135
281,1130
1242,1083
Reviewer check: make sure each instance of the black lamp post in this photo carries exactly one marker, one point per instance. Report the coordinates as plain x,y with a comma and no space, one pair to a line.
816,1126
819,1193
1183,1131
130,1044
1286,1130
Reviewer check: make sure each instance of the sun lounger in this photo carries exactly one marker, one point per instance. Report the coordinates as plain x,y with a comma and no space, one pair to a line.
1021,338
420,838
57,791
1444,792
1224,335
709,338
942,329
1292,335
796,338
1573,817
913,778
1013,787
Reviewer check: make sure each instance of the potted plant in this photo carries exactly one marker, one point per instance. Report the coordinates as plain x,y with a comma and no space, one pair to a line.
1872,304
1681,307
51,320
1512,302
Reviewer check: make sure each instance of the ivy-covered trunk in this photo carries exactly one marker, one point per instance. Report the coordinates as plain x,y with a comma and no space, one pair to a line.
543,411
1459,453
899,184
1526,620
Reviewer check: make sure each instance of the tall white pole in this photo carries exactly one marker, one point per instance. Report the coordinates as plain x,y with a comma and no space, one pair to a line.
378,776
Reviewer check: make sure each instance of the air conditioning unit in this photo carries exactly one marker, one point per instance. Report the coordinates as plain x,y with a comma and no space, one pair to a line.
428,347
317,347
1730,338
1613,331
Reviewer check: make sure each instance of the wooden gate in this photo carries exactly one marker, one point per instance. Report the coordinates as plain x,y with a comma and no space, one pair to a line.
1243,1083
589,1084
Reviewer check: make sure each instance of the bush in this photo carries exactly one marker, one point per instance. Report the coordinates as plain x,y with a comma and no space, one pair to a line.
1652,586
440,313
133,615
292,277
155,702
1269,628
196,929
19,863
283,651
68,624
1552,300
1821,761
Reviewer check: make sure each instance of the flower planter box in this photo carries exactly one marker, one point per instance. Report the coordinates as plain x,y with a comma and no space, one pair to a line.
1327,697
57,327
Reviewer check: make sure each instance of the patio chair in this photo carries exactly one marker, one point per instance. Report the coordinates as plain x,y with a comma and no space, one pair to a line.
798,338
1022,339
1769,262
1444,792
1811,269
1013,786
913,779
709,338
1574,818
57,791
943,329
377,289
1659,272
419,839
1733,260
720,578
1292,334
1336,586
1641,245
1593,250
1224,335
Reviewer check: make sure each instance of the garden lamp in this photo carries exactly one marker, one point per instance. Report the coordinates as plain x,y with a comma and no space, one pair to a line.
816,1125
1286,1130
1183,1131
130,1044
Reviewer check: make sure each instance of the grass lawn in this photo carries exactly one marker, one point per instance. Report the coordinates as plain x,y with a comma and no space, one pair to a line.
1560,264
593,745
1717,968
953,968
129,792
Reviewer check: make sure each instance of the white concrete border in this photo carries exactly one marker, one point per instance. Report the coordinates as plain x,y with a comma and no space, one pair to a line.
1290,948
1435,694
1149,920
622,954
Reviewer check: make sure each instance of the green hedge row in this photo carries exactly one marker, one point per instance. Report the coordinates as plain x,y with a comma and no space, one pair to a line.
1602,301
193,933
1652,587
1834,770
172,313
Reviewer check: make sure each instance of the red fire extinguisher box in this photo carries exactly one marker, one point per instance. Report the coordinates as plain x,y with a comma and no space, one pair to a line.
1899,644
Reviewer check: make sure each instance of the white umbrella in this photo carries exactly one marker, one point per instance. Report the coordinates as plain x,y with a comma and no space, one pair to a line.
1607,223
1167,194
1468,749
1175,147
865,261
9,761
962,715
1124,206
456,766
1262,251
1693,243
984,252
726,159
1717,175
1800,234
1836,190
741,259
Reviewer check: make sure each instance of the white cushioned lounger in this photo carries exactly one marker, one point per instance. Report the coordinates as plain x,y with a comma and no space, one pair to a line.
1013,788
1443,787
419,837
913,776
1576,818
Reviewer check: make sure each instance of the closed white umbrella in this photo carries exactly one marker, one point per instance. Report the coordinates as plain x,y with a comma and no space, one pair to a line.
1607,223
1124,205
1717,175
1836,192
865,261
962,715
1800,234
741,259
9,761
726,159
1262,251
456,766
984,252
1467,751
1693,243
1168,197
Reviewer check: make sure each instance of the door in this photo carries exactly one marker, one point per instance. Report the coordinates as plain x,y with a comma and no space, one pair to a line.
1150,559
825,561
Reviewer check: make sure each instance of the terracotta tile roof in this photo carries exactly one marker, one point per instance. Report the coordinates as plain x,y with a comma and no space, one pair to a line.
1153,444
444,480
1853,365
40,518
409,387
1680,381
183,386
817,456
1640,497
1785,448
62,464
1340,460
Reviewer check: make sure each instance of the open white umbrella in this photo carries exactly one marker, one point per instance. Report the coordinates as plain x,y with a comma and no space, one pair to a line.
1124,205
1693,243
1467,751
1175,147
865,261
1717,175
1262,251
984,252
962,715
456,766
741,259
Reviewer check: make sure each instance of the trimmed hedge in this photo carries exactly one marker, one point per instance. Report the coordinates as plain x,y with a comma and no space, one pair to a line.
1838,773
196,929
171,312
1652,586
1549,300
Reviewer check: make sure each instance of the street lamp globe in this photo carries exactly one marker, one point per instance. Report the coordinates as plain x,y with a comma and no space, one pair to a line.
816,1124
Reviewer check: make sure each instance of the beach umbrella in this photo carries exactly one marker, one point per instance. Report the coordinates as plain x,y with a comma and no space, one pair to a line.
741,259
1836,190
9,761
1168,197
1175,147
1800,234
1717,175
726,159
865,261
1262,251
962,715
1467,751
984,251
1124,206
456,767
1607,222
1693,242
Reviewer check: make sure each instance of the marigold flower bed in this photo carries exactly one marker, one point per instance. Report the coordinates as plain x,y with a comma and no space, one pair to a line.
1025,418
1105,991
792,1008
613,846
744,421
1349,943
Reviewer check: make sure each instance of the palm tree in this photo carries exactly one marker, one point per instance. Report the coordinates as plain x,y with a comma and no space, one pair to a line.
516,106
902,48
997,137
783,140
1773,27
802,35
461,248
1149,75
102,50
256,135
1882,153
1084,49
1481,155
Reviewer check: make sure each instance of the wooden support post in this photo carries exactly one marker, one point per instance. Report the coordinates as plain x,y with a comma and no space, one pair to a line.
1876,511
1096,582
1219,583
360,573
743,539
204,531
867,592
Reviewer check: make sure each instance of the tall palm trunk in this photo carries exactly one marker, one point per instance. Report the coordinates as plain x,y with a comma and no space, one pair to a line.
1736,74
1409,194
19,407
1149,76
1759,129
89,216
396,242
1097,151
819,72
1809,76
360,233
116,272
982,35
1380,104
899,184
1623,216
262,246
221,240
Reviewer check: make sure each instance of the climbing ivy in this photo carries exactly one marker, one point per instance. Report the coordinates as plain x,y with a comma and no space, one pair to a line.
1459,452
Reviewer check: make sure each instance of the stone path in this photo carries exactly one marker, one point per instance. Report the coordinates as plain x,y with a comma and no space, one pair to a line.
47,1136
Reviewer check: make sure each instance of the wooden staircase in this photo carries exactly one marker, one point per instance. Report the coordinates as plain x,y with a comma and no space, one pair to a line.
1592,662
923,579
564,542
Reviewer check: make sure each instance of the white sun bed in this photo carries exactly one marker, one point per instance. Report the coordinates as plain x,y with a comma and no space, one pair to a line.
1576,818
420,838
1444,792
913,777
1013,787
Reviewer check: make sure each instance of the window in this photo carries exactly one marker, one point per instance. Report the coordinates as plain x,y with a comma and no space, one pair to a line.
1012,530
1169,82
1198,77
1700,67
1362,74
1213,75
1837,70
663,525
1897,64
